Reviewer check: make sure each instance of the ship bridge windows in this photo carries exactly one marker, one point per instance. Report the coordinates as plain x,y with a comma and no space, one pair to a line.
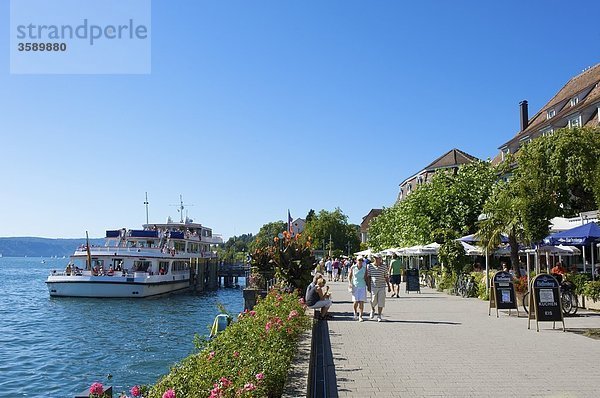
193,247
141,265
118,264
97,263
179,246
180,265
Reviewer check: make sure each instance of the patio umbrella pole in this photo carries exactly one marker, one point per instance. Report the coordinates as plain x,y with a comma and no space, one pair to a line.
583,258
593,264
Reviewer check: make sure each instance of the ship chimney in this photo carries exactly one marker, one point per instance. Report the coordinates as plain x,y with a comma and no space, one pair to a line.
524,115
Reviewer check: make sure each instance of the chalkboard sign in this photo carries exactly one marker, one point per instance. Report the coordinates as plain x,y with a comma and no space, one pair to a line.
546,300
412,280
503,293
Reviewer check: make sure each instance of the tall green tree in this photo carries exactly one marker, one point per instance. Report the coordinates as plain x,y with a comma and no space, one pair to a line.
503,213
235,249
557,175
310,215
267,233
332,228
448,202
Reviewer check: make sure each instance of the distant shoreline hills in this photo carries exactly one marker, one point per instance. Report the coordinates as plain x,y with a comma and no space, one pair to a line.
42,247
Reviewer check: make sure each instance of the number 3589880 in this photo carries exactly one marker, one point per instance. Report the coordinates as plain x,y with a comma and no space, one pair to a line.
42,47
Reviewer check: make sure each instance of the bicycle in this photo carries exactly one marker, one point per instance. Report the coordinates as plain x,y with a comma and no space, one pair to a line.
569,300
429,280
465,285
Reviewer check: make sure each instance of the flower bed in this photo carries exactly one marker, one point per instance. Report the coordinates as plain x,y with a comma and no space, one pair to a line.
250,358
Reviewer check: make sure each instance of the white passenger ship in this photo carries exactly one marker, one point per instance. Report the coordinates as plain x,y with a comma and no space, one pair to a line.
156,260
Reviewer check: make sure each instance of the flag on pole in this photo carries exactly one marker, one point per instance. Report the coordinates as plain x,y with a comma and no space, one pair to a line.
289,222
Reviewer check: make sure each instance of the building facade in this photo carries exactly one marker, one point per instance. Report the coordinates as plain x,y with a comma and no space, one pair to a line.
577,104
450,161
364,225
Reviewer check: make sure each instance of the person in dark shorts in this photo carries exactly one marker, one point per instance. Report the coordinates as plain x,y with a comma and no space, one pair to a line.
395,272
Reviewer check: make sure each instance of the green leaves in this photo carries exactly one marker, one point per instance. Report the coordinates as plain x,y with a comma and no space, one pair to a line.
256,349
448,202
332,224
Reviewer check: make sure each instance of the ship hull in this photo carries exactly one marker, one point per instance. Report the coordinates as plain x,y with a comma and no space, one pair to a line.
116,286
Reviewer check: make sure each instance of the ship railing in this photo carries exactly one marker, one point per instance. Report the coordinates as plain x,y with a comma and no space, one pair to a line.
120,249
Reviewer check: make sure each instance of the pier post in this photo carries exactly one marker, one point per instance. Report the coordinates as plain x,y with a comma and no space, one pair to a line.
200,276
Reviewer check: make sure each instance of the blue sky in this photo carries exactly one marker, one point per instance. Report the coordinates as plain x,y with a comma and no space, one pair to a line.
256,107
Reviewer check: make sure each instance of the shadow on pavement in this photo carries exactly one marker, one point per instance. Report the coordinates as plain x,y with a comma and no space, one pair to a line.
323,382
387,320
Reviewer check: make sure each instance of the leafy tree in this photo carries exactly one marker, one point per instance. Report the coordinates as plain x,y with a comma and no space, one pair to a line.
452,253
332,228
267,234
504,216
557,175
310,215
235,249
448,202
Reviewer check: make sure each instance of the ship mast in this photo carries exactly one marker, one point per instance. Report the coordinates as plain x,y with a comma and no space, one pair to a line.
180,208
146,204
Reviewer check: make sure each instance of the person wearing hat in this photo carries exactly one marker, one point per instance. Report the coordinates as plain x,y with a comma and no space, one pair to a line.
377,279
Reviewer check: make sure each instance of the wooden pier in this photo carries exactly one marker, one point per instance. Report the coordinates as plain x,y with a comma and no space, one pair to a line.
208,274
229,274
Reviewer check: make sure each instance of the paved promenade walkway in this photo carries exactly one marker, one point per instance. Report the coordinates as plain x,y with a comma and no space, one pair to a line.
435,345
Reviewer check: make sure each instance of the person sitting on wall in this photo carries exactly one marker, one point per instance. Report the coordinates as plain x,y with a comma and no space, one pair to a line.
318,297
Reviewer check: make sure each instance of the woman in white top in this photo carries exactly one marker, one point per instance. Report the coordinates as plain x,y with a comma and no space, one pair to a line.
358,286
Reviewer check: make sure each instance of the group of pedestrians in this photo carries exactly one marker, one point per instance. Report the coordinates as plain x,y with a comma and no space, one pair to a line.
337,269
365,275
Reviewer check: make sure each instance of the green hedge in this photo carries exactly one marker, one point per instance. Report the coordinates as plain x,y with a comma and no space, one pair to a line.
250,358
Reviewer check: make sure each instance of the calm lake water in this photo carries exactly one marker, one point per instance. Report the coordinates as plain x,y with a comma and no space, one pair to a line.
57,347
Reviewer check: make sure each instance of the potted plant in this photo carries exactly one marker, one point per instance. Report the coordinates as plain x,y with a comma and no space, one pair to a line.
256,287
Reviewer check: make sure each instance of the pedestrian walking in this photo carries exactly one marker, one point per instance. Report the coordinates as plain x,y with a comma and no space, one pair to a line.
336,270
377,279
329,268
395,272
357,284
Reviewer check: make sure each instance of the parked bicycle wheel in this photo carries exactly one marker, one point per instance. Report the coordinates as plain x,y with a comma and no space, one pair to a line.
570,303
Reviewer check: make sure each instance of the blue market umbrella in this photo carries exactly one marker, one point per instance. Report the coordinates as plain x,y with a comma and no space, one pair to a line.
473,238
582,235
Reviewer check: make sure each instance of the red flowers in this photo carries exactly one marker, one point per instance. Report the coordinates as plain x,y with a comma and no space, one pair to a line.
135,391
96,390
293,314
170,393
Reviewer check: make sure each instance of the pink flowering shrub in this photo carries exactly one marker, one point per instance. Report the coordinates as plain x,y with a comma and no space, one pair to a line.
96,390
250,358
